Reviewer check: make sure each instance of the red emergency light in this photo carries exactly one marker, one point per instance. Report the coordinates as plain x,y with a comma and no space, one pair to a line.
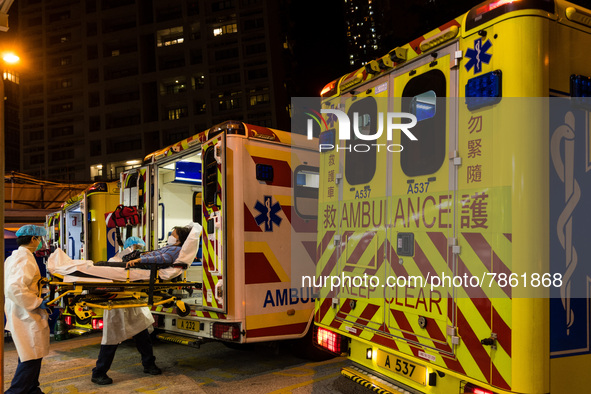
491,6
68,320
330,88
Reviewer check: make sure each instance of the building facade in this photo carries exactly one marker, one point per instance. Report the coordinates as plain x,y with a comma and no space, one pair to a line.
113,80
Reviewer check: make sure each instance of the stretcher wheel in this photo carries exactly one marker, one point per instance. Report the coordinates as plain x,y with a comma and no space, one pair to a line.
182,309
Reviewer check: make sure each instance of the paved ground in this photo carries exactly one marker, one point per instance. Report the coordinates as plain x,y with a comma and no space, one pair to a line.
212,369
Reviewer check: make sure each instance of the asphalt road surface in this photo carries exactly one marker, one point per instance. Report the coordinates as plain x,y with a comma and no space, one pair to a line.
214,368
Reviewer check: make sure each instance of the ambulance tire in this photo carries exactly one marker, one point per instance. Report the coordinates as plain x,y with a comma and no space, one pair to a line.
304,348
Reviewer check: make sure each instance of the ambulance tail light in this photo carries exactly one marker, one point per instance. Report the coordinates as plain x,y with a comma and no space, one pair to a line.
97,324
469,388
484,90
226,331
68,320
331,341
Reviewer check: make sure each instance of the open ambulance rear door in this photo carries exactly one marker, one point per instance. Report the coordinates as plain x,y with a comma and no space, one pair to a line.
214,223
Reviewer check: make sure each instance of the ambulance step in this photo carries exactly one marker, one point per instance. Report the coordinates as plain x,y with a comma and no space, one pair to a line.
181,340
376,383
79,331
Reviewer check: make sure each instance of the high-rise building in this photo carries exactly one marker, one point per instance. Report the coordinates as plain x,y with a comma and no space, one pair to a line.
362,22
113,80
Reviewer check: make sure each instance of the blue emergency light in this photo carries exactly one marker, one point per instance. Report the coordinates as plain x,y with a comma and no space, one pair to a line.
264,172
484,90
326,140
580,86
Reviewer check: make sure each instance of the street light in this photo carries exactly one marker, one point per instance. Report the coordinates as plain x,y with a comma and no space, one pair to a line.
10,58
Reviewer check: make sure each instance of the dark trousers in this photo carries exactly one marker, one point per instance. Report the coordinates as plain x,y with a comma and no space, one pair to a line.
26,378
107,354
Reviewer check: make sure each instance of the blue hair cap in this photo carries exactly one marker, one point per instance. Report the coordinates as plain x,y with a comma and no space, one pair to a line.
32,231
133,241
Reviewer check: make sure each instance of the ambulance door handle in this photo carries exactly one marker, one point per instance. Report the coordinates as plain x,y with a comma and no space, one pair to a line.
492,341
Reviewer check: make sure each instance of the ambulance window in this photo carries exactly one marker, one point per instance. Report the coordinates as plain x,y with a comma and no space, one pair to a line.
131,190
211,177
424,96
423,105
360,161
307,182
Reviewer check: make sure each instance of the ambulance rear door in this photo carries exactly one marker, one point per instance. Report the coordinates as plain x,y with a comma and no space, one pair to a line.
423,318
214,223
137,190
361,183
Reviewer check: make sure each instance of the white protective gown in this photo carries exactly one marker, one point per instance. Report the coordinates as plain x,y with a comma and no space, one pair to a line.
24,319
124,323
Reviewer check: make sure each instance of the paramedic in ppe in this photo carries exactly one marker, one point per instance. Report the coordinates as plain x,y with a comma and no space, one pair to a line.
124,323
26,312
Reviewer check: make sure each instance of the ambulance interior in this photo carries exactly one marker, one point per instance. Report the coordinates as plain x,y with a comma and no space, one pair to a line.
74,231
179,201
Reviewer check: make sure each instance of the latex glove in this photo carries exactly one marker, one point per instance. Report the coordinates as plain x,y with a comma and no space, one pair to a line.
44,305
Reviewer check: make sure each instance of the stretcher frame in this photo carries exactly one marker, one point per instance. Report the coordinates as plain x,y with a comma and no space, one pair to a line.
83,295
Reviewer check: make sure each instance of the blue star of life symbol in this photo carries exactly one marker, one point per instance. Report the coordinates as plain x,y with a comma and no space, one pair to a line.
331,118
478,55
268,213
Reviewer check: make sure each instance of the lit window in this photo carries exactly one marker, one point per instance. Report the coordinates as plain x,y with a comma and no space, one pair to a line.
168,37
177,113
259,98
225,29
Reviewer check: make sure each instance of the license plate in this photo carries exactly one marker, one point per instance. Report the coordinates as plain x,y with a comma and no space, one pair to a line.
189,325
402,367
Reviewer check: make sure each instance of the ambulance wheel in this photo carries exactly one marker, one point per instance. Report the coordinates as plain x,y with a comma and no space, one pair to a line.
180,312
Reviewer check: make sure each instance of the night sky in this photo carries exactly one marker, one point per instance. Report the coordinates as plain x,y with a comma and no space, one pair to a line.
320,34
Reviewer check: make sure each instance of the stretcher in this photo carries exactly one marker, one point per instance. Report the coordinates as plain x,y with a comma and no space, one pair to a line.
82,286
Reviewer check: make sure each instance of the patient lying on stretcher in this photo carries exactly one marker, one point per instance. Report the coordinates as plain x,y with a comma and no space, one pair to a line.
182,248
169,253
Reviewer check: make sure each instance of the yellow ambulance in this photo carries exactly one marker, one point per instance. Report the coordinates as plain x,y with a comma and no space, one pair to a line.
493,193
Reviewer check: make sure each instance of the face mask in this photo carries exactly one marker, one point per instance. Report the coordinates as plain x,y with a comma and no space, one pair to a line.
172,240
40,245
